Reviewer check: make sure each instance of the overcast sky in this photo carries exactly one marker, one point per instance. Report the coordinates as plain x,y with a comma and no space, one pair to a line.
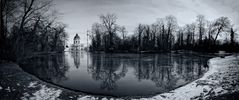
79,15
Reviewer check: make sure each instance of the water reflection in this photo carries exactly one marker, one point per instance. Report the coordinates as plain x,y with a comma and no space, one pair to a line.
106,70
51,68
76,57
118,74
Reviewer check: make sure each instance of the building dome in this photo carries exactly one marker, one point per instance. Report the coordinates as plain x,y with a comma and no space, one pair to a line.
76,37
76,45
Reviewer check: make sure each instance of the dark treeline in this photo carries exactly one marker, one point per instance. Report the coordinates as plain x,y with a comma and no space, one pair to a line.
164,35
28,27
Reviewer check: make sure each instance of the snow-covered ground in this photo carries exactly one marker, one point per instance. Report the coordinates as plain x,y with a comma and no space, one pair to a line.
222,77
44,93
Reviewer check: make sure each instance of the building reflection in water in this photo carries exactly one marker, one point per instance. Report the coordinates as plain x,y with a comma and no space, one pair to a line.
76,55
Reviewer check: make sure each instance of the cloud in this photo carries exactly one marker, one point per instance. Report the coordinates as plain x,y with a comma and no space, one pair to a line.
229,8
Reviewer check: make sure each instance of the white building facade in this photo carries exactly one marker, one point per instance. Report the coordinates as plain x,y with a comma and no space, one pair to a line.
76,46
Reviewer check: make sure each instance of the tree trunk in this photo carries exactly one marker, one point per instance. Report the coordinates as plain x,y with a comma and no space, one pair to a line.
2,32
232,36
218,32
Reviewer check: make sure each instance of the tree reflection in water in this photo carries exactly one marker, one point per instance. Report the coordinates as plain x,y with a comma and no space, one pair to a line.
118,74
107,70
167,71
51,68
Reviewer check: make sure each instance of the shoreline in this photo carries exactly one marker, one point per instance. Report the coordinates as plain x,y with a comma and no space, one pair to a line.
222,78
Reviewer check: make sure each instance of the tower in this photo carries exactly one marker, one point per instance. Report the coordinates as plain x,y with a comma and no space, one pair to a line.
76,44
77,40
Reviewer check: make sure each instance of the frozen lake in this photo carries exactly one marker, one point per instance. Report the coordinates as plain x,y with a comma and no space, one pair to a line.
117,74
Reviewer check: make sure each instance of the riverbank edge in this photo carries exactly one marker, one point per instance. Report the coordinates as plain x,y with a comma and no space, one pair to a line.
221,82
222,78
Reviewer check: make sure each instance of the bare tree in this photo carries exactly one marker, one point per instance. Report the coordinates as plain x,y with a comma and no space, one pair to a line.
201,26
146,38
221,25
154,32
97,35
232,35
180,40
210,30
2,7
7,10
29,10
58,37
30,26
139,31
190,31
109,23
171,23
123,32
161,34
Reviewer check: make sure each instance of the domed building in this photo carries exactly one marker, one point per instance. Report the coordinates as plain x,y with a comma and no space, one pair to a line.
76,46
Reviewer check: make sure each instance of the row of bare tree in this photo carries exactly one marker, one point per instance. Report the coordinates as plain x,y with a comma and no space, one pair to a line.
29,26
164,35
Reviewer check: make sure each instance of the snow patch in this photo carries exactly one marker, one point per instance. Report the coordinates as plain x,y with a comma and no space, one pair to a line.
104,99
8,89
46,93
32,84
25,95
87,98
